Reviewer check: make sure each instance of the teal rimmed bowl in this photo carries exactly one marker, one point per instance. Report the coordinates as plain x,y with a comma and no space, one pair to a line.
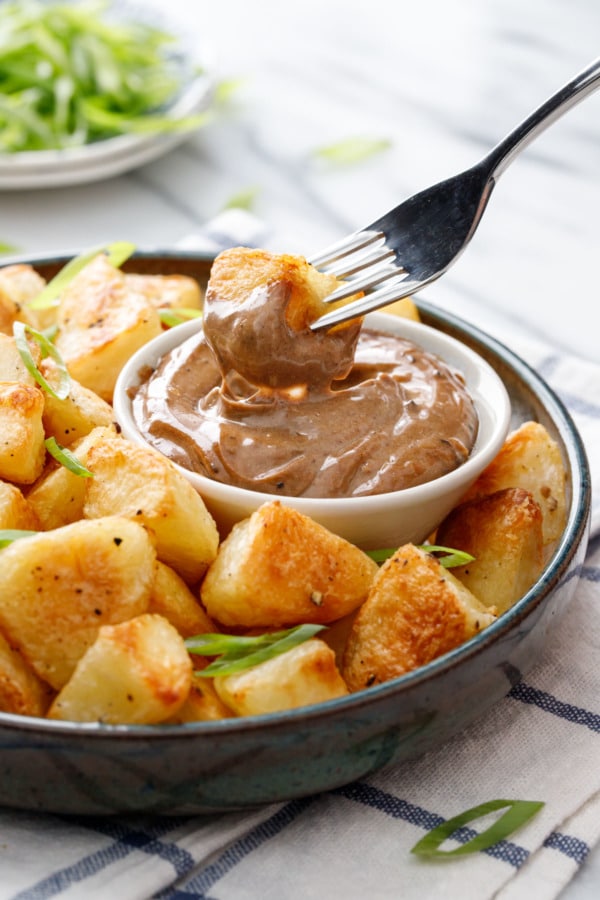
63,767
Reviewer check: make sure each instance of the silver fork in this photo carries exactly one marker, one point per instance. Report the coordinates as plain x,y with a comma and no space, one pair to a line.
415,243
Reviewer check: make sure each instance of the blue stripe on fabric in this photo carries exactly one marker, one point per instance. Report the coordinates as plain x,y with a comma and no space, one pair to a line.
127,841
505,851
198,886
591,573
146,839
551,704
572,847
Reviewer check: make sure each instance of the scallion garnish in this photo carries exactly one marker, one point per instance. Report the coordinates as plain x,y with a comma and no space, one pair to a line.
518,812
66,458
117,253
172,316
243,199
450,558
237,653
75,73
8,535
20,332
352,150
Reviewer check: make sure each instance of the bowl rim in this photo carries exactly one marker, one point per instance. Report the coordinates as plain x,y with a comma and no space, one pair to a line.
575,532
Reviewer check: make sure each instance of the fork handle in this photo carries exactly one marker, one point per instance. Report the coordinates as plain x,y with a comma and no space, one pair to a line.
552,109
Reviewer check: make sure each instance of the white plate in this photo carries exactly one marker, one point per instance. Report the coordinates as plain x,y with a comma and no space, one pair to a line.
103,159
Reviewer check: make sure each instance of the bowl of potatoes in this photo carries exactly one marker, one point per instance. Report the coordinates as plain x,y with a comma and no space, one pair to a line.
150,663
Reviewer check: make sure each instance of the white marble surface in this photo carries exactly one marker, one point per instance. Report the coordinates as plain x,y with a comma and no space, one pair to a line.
443,81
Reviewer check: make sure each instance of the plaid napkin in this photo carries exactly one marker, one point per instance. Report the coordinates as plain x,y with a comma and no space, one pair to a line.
542,742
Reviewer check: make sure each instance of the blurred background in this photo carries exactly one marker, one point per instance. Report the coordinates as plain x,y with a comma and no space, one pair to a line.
432,84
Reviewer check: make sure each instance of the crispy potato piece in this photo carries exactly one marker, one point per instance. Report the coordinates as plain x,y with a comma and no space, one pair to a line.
21,691
530,459
72,418
503,531
140,483
101,324
278,568
22,449
12,367
415,612
172,598
137,672
15,509
58,587
406,308
203,704
18,284
336,636
304,675
57,497
167,291
238,271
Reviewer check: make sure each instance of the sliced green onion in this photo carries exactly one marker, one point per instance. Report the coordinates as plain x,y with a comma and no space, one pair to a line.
75,73
352,150
518,812
225,89
451,556
8,248
66,458
243,199
8,535
116,253
449,560
176,316
238,653
20,331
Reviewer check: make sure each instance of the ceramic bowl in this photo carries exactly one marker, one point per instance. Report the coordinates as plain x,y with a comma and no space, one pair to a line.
202,767
382,520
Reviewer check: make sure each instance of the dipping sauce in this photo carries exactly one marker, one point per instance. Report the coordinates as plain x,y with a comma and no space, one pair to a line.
253,402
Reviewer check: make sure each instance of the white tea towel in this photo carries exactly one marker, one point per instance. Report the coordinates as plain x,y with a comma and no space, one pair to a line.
542,742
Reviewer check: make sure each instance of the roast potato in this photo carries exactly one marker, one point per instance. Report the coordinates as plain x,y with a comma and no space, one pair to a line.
279,568
58,587
416,610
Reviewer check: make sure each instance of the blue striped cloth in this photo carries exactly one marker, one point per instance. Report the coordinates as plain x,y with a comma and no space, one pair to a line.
541,742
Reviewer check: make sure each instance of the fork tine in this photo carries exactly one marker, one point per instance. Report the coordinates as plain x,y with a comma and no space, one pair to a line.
402,287
356,262
349,244
370,279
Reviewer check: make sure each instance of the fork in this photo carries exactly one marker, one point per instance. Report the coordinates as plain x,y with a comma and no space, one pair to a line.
415,243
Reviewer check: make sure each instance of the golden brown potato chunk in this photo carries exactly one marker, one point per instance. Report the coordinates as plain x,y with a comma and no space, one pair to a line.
21,691
166,291
203,704
236,273
138,482
72,418
278,568
530,459
12,367
101,324
19,284
137,672
415,612
172,598
503,531
304,675
58,495
15,509
22,449
257,310
58,587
